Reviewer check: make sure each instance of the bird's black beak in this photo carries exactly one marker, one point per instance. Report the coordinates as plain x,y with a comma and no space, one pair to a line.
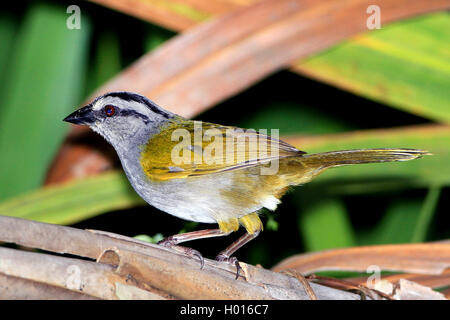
81,116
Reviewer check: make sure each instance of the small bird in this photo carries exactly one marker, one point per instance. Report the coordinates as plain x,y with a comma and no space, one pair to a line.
216,174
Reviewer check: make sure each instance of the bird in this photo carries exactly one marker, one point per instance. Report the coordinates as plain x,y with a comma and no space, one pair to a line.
209,173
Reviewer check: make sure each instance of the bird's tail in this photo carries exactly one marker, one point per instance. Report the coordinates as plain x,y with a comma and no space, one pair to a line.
345,157
311,165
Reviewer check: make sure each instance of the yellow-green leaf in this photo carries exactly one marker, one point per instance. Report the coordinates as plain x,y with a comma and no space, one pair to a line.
44,78
405,65
74,201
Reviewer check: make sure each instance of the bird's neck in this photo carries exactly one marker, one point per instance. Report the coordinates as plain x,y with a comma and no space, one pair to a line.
130,140
129,153
129,157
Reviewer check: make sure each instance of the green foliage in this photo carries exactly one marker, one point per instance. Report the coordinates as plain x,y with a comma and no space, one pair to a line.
106,61
397,224
405,65
426,214
44,82
286,119
7,31
155,37
324,222
271,223
155,239
75,201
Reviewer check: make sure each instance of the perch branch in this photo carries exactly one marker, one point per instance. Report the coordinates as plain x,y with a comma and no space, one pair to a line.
126,268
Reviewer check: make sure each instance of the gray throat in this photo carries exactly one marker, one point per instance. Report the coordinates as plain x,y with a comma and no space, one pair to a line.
130,155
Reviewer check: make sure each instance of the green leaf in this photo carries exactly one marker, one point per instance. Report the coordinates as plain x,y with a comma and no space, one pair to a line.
75,201
426,214
7,31
397,224
188,226
324,222
405,221
155,239
405,65
285,117
44,83
155,37
271,223
107,61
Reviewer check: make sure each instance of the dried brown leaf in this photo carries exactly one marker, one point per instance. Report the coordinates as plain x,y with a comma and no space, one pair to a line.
432,281
422,258
408,290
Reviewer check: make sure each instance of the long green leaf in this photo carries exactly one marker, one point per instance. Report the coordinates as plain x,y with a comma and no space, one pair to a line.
156,36
324,222
74,201
426,214
286,119
44,83
405,220
107,61
405,65
7,31
397,224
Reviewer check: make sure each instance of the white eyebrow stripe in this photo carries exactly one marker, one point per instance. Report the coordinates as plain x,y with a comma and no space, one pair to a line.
118,102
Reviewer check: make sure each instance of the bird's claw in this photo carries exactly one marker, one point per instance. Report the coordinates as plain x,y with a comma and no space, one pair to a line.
231,260
192,252
169,243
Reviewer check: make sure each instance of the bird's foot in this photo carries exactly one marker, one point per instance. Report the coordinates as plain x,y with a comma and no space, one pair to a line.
170,243
231,260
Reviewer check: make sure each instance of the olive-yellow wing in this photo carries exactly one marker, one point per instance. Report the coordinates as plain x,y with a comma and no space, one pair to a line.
184,148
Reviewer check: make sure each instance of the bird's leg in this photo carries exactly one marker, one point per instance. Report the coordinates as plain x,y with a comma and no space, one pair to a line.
225,255
253,225
173,241
189,236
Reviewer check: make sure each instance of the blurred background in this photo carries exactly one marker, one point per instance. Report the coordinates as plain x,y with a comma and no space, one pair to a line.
382,88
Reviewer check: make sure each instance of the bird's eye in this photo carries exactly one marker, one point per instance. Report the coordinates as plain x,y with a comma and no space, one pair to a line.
109,110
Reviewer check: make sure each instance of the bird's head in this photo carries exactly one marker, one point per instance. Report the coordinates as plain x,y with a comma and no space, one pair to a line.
121,117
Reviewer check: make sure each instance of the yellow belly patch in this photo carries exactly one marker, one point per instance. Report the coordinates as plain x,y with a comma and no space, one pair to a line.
251,223
229,225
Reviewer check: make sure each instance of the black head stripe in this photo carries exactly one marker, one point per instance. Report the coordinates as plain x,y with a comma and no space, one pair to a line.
128,112
128,96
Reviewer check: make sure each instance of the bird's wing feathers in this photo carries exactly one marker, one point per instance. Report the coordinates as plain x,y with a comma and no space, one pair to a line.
188,148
